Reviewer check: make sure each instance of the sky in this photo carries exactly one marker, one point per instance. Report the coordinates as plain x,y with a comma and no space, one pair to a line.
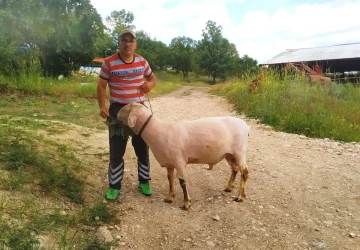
259,29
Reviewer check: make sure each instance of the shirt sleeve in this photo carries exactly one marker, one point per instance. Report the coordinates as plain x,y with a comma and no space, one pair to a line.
148,70
104,71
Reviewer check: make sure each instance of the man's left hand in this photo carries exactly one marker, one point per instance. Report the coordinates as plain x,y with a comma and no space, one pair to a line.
145,87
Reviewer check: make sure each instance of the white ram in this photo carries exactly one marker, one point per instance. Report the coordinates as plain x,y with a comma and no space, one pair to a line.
176,144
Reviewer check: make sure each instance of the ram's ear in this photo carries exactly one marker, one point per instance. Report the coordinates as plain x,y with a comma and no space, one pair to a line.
132,119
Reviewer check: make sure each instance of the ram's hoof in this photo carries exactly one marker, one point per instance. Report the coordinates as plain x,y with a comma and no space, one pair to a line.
237,199
168,200
184,208
227,190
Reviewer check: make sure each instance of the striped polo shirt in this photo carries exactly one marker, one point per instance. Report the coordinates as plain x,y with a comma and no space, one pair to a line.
124,79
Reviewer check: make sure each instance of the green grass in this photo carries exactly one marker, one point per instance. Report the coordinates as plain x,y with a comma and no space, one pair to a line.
32,83
34,172
27,220
299,107
23,155
97,214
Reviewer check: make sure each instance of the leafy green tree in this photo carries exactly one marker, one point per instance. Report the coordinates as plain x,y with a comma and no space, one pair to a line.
61,34
163,55
106,45
156,52
118,21
183,54
74,42
216,54
144,47
246,67
20,26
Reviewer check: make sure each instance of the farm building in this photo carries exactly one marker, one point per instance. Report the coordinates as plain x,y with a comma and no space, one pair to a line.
338,62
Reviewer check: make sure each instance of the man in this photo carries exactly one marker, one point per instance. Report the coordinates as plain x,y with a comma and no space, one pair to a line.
129,78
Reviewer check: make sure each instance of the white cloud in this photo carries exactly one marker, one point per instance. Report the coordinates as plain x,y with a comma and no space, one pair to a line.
306,25
187,19
259,34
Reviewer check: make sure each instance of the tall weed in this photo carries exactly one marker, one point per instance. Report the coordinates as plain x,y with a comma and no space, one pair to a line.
297,106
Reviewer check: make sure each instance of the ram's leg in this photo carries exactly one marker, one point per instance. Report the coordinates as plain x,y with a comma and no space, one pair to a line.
234,170
231,181
187,199
171,178
244,177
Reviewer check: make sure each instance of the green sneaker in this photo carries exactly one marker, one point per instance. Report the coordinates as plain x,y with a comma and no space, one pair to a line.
145,188
112,194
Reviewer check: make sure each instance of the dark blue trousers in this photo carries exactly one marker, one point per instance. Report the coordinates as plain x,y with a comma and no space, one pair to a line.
117,150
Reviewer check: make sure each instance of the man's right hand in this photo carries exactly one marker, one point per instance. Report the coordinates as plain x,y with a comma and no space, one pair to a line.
104,112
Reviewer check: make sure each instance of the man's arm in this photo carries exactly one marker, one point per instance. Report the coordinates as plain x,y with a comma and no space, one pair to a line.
149,83
101,94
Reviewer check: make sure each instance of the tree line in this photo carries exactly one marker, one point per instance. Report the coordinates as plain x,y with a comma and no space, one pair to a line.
53,37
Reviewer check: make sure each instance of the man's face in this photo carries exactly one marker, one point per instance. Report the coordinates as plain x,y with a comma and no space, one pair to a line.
127,45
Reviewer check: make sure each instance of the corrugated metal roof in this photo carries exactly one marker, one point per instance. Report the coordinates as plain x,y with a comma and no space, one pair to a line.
341,51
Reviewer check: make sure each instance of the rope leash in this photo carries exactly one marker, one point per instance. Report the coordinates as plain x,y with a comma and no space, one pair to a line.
148,99
147,95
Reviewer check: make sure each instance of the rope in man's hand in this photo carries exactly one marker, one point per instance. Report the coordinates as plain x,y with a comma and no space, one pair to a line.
141,88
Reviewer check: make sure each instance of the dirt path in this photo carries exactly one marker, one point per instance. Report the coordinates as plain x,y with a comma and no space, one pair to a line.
302,193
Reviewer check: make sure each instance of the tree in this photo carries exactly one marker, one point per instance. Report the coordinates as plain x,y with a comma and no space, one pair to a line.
183,54
60,34
163,55
74,42
155,52
106,45
118,21
216,54
20,24
246,67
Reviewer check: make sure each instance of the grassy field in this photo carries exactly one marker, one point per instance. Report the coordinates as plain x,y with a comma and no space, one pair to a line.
295,106
38,176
